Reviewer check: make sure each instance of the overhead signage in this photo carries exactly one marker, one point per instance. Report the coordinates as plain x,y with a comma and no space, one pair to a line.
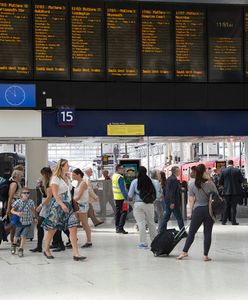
126,129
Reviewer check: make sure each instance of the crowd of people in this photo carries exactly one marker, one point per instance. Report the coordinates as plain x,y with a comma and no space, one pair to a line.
64,207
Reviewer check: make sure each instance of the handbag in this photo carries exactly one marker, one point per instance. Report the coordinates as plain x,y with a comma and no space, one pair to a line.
216,204
74,203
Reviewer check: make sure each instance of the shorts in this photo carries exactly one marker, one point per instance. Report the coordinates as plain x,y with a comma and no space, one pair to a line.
83,207
22,230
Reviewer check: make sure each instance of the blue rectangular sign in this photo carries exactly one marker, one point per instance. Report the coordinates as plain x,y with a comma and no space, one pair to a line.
17,95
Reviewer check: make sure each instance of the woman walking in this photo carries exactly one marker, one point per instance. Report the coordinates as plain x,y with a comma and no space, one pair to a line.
143,212
44,208
81,196
61,214
199,192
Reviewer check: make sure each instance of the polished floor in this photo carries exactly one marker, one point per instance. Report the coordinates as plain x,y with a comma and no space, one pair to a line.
116,269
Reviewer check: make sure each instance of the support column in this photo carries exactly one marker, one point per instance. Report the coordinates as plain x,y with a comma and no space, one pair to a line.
36,159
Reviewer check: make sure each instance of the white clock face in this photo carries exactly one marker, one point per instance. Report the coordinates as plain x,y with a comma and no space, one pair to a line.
15,95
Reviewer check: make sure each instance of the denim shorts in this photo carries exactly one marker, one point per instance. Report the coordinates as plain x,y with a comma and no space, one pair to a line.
22,230
83,207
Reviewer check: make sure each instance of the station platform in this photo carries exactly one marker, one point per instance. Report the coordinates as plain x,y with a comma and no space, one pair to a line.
116,269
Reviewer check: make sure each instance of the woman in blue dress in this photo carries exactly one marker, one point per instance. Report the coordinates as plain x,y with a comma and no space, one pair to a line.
61,216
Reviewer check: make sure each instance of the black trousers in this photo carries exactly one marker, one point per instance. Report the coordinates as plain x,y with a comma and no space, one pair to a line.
40,232
200,216
231,208
120,215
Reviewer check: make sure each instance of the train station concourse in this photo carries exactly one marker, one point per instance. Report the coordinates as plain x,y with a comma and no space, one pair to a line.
124,149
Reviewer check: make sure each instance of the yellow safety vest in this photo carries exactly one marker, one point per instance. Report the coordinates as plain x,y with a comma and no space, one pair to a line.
116,188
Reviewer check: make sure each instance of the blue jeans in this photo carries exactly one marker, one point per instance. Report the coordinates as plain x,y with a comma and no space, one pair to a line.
167,213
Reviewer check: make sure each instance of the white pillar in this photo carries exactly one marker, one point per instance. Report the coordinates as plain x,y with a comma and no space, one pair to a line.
36,159
230,149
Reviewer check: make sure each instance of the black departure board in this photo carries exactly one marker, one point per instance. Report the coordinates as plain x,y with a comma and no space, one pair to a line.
87,40
51,39
157,57
246,43
225,35
122,41
15,40
190,43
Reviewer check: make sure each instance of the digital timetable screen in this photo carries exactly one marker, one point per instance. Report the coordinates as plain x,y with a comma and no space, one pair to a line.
157,43
51,39
136,41
122,42
87,40
15,39
190,43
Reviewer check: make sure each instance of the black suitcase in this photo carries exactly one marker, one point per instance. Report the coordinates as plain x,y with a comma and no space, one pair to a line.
166,241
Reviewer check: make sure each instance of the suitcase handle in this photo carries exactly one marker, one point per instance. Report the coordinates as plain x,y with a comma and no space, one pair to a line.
182,231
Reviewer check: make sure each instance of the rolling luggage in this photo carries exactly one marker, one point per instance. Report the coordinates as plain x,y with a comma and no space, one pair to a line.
167,240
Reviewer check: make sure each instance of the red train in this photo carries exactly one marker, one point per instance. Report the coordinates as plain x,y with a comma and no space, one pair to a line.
185,168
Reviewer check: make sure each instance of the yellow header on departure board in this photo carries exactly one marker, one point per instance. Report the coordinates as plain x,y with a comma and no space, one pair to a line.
126,130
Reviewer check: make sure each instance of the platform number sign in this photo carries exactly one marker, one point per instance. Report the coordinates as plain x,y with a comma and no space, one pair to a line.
66,117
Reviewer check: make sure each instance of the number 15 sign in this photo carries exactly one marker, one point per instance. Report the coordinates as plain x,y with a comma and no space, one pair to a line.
66,117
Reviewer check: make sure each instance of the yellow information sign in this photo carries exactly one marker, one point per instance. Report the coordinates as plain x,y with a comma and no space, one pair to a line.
126,130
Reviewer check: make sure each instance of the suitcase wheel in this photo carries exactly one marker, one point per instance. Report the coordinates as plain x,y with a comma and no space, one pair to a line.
155,254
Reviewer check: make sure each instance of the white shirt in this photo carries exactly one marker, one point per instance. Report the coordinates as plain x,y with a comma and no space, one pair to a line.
84,197
62,185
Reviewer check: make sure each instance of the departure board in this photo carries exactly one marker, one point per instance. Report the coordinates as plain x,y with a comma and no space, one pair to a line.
157,57
122,42
51,39
15,40
246,44
225,44
87,40
190,28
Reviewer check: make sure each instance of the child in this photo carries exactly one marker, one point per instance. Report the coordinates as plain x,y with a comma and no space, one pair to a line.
24,208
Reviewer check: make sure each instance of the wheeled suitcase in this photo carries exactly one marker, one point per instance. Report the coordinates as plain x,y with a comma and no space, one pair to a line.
167,240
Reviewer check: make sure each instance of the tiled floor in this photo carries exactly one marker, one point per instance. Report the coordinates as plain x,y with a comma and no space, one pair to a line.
116,269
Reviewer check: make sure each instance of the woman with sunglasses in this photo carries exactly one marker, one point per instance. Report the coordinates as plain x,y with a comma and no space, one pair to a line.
61,215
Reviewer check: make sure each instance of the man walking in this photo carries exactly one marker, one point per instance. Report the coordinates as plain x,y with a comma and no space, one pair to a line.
92,197
120,197
172,199
232,179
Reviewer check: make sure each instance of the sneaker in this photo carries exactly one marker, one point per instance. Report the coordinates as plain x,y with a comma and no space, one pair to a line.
20,252
13,248
142,246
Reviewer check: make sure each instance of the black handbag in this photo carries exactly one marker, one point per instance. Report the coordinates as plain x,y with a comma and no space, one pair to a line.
216,204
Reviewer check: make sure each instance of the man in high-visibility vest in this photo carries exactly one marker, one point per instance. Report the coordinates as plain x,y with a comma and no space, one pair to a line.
120,197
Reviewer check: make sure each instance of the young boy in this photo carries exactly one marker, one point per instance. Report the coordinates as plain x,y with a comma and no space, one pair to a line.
24,208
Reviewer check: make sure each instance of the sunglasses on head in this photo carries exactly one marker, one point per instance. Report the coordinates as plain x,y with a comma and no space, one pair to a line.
25,193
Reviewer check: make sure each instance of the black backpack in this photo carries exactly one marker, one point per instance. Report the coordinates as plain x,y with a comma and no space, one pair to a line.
4,189
149,197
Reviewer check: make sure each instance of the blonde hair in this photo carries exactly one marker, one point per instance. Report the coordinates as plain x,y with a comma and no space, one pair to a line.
58,169
25,188
16,173
19,168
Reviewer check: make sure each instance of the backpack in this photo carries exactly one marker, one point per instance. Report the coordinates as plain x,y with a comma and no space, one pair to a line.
149,197
4,189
